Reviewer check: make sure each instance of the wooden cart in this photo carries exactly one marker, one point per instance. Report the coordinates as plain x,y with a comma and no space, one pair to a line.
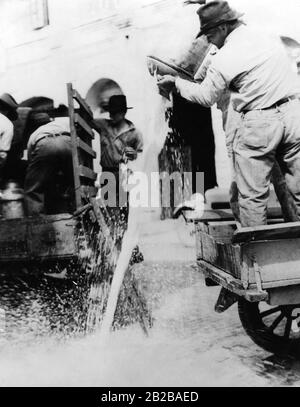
75,253
259,268
47,238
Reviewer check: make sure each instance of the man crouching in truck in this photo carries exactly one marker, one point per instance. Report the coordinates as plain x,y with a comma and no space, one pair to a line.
265,91
49,164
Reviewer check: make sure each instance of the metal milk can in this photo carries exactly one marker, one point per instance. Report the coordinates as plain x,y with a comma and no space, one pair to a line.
12,201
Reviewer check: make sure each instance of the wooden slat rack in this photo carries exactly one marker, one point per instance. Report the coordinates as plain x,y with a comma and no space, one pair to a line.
82,134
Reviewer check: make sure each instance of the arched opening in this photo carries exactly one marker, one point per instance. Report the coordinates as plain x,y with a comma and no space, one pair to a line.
99,93
189,148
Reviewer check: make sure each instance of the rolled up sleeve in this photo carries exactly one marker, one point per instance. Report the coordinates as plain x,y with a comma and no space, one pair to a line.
206,93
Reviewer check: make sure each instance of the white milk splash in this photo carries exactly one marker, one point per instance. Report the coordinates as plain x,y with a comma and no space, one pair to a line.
157,126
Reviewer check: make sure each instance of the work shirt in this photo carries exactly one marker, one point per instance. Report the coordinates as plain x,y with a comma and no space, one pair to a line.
59,125
6,133
113,143
255,67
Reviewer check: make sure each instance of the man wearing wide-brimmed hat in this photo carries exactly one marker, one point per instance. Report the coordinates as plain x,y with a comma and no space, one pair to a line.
8,114
120,141
265,91
119,137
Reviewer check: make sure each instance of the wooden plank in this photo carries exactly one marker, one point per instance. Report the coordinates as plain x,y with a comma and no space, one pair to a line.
267,232
217,214
226,215
82,103
277,284
83,124
13,240
40,237
230,283
220,205
87,172
222,232
81,142
213,244
85,147
52,239
168,160
285,295
287,202
200,228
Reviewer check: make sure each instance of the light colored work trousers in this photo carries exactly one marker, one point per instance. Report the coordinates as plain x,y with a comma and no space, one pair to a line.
262,136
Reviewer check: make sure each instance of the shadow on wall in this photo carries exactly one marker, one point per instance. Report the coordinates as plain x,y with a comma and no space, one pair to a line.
100,92
97,98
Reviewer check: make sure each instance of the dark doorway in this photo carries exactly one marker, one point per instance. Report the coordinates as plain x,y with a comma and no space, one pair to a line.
189,147
194,126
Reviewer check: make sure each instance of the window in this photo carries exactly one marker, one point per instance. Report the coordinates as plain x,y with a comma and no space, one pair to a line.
39,13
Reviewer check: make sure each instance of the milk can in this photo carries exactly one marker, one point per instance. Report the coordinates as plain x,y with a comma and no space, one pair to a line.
12,201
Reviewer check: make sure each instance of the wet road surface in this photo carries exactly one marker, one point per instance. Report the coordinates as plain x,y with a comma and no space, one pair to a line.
189,344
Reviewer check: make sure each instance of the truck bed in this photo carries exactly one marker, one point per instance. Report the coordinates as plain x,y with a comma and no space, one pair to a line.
259,258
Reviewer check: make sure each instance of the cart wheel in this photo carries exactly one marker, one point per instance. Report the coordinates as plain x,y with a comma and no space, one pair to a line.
274,328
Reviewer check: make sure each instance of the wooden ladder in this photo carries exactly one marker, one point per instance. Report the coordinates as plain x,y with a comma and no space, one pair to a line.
81,126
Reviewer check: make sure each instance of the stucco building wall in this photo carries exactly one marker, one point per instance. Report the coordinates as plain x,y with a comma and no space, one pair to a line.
87,40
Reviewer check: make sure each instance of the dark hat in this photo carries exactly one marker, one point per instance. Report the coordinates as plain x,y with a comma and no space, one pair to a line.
61,111
35,120
39,118
214,14
9,102
117,103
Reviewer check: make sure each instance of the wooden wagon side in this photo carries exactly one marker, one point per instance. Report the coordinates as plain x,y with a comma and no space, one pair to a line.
259,268
56,237
250,262
46,237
